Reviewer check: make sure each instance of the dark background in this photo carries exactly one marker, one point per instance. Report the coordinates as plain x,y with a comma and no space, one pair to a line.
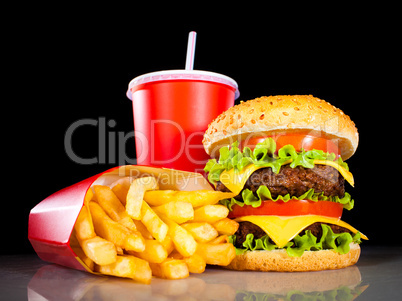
66,64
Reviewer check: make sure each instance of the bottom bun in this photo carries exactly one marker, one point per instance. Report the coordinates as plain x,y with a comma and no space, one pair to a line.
278,260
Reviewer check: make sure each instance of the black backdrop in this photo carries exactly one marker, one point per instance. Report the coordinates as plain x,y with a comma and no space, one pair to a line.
65,67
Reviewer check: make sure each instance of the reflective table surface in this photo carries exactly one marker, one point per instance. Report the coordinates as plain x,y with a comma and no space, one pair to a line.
377,276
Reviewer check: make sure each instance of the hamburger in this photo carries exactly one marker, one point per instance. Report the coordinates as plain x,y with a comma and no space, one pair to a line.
283,158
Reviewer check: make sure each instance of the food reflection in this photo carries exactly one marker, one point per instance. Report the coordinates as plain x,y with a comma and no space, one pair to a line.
53,282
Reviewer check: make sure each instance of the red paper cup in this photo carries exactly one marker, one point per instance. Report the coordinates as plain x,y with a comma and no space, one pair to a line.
52,221
172,110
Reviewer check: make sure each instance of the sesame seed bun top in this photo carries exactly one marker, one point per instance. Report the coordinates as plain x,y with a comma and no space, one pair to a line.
271,115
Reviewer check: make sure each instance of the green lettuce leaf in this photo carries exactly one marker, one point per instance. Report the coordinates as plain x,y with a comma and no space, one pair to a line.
307,242
264,154
214,170
263,193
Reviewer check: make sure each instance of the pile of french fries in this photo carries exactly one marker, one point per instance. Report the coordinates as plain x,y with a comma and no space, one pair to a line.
134,230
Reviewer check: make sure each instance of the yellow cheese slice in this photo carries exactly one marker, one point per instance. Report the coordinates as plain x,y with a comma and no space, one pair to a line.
282,229
345,173
235,180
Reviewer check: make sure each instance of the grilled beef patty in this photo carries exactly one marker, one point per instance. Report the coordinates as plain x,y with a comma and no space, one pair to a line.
295,181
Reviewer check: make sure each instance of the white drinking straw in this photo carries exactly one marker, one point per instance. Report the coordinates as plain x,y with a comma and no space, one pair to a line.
192,36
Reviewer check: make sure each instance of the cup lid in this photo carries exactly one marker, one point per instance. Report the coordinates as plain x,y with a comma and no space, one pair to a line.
182,74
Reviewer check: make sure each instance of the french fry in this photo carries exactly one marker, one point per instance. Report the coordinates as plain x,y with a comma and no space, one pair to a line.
88,197
84,228
170,269
179,212
176,255
196,198
153,223
118,233
99,250
210,213
84,258
167,243
221,239
202,232
134,242
135,195
128,266
142,229
154,252
112,206
226,226
195,263
217,254
120,188
182,239
113,231
86,245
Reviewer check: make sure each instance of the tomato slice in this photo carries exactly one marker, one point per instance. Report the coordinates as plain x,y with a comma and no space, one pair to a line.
289,208
299,141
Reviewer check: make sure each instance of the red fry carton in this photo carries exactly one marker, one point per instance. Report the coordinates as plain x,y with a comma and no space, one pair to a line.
52,221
